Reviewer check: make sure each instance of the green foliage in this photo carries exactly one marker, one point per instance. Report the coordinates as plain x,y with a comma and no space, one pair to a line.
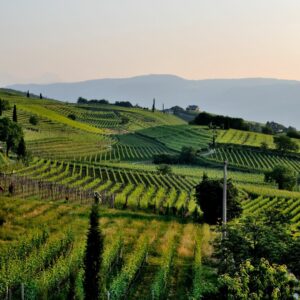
93,256
21,150
224,122
293,133
4,105
11,133
72,116
33,120
121,282
284,143
209,195
259,281
161,280
285,177
188,155
164,169
15,117
266,235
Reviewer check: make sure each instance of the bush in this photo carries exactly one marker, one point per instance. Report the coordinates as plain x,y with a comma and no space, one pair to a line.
72,116
33,120
164,169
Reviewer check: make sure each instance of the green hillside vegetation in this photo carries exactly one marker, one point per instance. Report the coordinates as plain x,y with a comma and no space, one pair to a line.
155,244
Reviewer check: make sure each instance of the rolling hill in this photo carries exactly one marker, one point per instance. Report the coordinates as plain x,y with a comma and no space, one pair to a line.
250,98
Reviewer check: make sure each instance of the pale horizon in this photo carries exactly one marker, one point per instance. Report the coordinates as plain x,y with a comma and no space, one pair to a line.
66,41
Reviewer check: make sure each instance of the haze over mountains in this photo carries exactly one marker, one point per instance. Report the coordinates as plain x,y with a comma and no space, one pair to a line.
257,99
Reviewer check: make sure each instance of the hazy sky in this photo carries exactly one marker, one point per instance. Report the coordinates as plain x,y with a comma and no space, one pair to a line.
71,40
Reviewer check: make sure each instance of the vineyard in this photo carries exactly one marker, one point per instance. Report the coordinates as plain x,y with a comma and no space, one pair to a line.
149,257
246,138
254,160
154,245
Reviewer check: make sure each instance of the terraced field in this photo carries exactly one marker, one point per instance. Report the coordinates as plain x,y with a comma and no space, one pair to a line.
246,138
290,206
254,160
175,137
150,257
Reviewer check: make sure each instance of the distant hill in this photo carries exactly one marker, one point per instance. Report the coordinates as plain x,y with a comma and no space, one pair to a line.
257,99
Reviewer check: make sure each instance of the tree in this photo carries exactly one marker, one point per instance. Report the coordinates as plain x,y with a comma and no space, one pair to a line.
153,105
267,130
41,96
33,120
284,143
4,105
188,155
164,169
209,196
265,235
28,95
285,177
15,118
10,133
123,103
82,100
293,133
72,116
93,257
21,150
262,281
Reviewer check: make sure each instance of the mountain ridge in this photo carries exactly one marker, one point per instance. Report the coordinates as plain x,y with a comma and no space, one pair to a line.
258,99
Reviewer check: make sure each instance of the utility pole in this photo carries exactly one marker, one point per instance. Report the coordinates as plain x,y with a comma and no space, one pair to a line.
224,211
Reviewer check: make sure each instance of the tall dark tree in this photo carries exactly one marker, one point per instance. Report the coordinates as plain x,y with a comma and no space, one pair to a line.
153,105
209,195
28,95
21,150
0,107
15,118
93,257
41,96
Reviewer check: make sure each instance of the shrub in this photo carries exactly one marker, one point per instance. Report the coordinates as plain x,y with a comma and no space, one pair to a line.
72,116
33,120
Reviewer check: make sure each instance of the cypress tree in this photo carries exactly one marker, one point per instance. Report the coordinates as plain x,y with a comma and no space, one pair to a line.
21,151
0,107
15,118
93,257
153,105
41,96
28,95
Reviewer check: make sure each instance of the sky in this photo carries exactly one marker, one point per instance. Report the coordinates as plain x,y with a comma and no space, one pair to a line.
73,40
